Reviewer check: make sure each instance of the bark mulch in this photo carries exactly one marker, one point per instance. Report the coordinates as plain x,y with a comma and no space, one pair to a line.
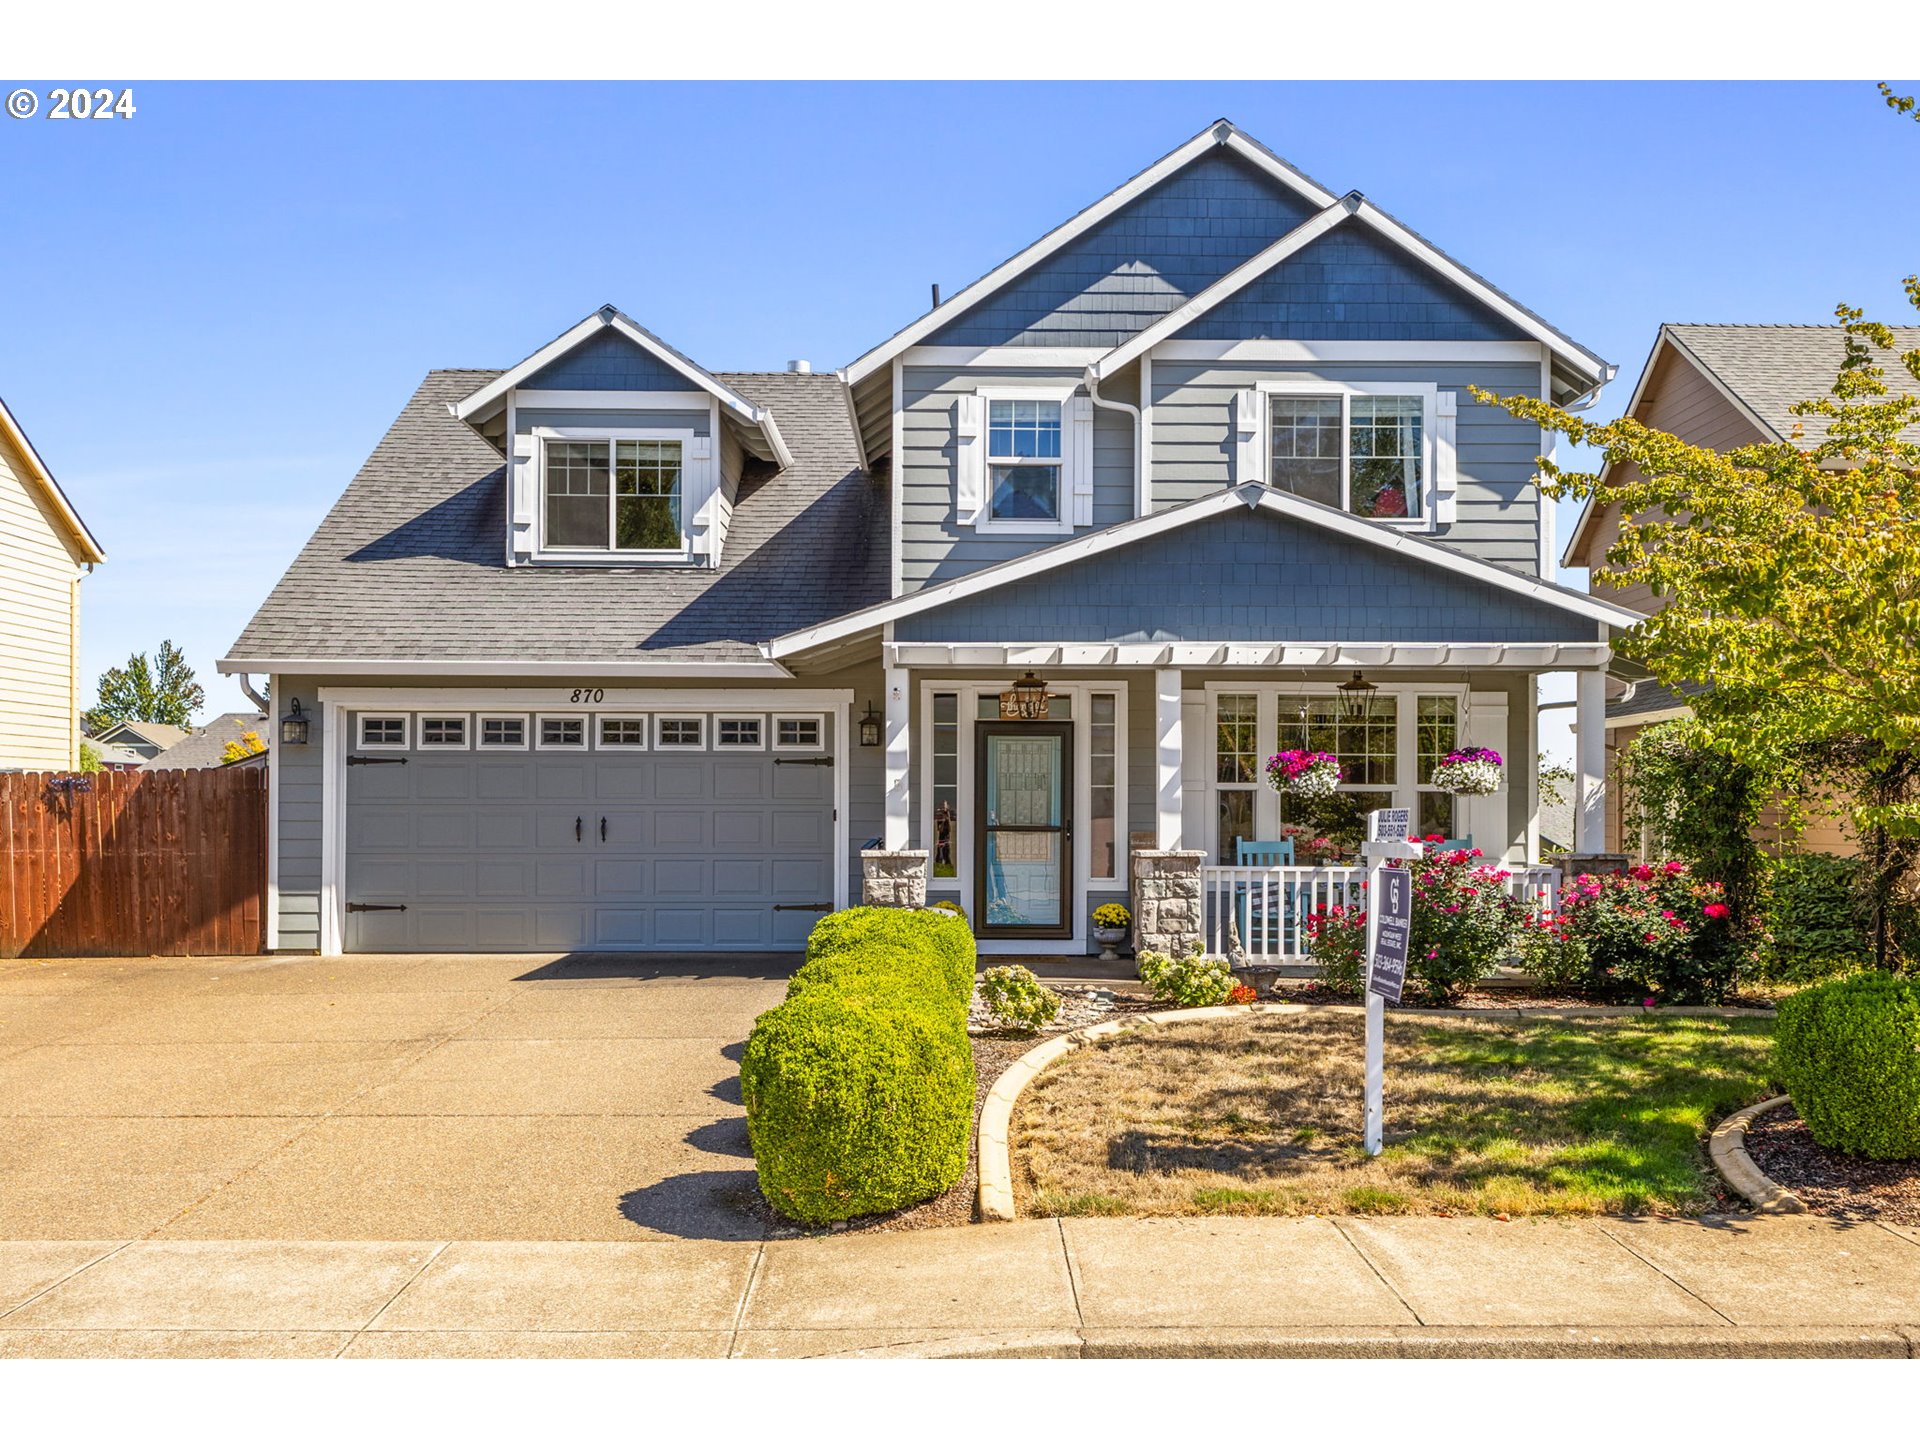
1841,1186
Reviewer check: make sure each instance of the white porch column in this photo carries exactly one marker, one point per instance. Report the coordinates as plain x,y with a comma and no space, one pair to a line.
1167,828
897,834
1590,762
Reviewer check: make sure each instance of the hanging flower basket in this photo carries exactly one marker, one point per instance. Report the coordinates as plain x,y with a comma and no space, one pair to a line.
1304,774
1469,771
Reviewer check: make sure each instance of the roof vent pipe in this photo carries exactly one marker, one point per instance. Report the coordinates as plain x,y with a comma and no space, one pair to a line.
936,294
799,367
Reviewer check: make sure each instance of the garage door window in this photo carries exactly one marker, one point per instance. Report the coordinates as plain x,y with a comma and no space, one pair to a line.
383,732
796,732
443,732
681,732
503,732
738,732
623,734
562,732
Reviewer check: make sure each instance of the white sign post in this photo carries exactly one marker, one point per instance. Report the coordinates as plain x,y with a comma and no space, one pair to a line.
1389,921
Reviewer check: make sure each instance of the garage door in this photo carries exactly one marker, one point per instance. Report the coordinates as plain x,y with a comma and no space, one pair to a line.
585,846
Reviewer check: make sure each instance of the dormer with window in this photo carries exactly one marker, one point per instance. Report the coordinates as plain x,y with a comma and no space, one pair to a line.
620,450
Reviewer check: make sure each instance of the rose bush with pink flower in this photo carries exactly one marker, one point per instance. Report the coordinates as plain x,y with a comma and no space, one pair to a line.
1654,930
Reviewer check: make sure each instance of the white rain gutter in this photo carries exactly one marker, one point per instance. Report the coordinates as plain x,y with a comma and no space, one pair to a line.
1141,500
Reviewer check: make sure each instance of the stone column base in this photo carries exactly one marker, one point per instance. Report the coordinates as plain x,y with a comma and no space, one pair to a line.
1168,909
896,879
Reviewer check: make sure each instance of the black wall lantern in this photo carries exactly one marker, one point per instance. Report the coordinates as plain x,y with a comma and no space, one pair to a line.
1356,697
870,727
293,725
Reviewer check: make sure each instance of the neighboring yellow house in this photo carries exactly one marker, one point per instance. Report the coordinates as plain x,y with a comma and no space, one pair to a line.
45,549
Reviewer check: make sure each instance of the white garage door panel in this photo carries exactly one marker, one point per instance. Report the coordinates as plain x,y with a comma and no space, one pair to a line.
505,851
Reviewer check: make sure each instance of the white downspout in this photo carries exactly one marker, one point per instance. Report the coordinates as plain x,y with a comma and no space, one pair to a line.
1141,500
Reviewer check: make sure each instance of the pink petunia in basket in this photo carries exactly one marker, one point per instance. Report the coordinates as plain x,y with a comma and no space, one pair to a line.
1307,774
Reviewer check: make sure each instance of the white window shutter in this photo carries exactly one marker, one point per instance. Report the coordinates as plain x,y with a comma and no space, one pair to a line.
1484,817
700,495
1446,477
969,457
1079,457
1246,436
523,485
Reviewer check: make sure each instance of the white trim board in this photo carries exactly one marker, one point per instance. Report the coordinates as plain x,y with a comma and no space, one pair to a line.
559,669
1391,352
1252,496
1222,133
556,701
90,551
1239,655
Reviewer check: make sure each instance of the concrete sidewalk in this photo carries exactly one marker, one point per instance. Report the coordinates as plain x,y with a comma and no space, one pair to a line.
1401,1286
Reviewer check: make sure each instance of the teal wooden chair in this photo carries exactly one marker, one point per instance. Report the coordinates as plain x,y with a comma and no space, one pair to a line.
1264,913
1465,842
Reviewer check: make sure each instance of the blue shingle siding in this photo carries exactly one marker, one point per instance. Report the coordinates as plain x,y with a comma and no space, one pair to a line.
1351,284
1498,501
1246,576
1139,263
609,361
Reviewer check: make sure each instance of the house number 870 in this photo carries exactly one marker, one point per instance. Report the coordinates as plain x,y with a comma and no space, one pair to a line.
588,697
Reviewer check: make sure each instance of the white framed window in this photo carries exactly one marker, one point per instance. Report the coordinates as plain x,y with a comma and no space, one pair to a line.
739,732
502,732
560,732
382,732
799,732
679,732
623,732
1024,459
443,732
619,493
1369,449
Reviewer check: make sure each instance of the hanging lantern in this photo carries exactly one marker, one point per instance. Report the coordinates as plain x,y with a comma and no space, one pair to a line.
870,727
1027,700
1356,697
293,725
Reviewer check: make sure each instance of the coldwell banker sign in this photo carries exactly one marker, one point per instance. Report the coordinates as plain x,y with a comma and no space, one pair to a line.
1393,900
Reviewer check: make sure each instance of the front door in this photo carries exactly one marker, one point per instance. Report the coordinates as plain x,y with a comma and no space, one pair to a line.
1024,852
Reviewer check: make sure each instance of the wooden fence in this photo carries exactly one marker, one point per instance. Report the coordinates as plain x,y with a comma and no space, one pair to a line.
155,862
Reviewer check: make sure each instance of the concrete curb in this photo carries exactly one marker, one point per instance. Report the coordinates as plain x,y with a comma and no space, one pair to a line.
1419,1342
1727,1148
993,1199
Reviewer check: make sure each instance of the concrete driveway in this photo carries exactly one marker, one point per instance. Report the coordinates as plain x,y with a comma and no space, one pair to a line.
399,1097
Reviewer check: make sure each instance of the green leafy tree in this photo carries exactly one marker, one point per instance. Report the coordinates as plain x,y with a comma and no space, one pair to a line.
163,692
89,760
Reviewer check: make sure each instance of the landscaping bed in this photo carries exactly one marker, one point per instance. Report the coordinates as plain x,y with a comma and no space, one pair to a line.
1844,1187
1571,1116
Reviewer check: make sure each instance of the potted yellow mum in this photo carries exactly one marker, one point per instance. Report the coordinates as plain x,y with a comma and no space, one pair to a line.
1110,924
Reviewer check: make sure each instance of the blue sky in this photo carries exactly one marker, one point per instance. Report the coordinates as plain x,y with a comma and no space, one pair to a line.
211,312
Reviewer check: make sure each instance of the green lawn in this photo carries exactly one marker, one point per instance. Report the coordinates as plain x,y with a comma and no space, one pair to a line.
1262,1116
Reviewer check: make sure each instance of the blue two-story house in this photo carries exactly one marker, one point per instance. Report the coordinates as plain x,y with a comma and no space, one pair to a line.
609,651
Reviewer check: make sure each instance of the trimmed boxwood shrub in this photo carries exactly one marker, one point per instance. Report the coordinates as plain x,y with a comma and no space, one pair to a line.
859,1086
1848,1053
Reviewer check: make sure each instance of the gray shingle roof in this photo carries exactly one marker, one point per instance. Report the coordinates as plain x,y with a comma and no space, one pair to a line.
409,564
206,746
1651,697
1772,367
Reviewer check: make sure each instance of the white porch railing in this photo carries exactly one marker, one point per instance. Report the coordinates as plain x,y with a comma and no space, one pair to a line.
1257,914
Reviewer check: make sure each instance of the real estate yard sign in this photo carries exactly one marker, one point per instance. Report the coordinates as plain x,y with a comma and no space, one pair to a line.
1389,925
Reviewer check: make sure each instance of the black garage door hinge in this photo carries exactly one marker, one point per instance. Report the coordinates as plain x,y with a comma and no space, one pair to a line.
354,907
803,760
823,905
376,759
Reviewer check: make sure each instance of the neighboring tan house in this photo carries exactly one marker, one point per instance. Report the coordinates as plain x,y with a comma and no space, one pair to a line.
144,738
1721,386
206,746
45,549
606,650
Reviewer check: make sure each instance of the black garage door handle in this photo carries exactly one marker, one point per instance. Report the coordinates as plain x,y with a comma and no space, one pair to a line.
603,829
576,829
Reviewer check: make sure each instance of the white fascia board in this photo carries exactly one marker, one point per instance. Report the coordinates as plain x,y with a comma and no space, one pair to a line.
1218,134
1004,357
751,700
1583,361
1348,351
660,669
1227,286
89,547
1647,717
1331,655
1253,496
853,419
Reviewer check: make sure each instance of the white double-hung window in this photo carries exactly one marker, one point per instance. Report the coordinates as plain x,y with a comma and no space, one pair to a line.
1025,460
1382,452
613,495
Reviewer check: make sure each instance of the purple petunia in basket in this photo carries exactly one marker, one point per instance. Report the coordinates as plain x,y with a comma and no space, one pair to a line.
1470,770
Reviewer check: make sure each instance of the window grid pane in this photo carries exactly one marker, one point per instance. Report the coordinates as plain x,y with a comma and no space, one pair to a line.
443,730
647,491
946,781
623,732
577,486
1237,744
563,732
1023,430
503,731
1385,436
1438,732
797,734
684,732
1305,439
738,734
1102,733
1367,749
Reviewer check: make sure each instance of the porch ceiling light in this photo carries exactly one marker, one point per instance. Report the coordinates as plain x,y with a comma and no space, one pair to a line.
1032,692
293,725
870,727
1356,697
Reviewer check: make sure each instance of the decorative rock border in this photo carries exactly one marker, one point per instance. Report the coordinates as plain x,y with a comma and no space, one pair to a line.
992,1141
1727,1148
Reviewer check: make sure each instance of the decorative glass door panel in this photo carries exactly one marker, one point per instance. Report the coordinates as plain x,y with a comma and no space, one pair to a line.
1023,883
